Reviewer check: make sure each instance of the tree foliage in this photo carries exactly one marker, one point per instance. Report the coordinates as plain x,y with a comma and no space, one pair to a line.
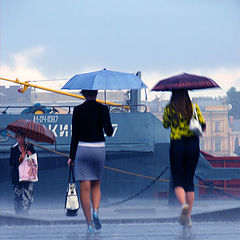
233,97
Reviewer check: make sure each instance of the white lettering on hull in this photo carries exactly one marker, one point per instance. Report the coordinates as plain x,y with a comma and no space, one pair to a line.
61,130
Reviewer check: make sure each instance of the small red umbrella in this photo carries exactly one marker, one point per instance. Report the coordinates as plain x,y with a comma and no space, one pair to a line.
185,81
32,130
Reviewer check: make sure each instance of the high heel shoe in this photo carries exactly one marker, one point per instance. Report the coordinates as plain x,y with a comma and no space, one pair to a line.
90,229
96,221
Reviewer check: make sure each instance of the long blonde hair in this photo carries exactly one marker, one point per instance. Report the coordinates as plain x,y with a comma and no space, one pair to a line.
181,103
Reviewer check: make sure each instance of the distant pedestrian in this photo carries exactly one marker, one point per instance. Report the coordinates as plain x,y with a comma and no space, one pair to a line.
184,149
89,122
23,191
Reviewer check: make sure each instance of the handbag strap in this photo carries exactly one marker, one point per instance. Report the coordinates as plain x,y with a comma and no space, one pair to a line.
195,111
71,174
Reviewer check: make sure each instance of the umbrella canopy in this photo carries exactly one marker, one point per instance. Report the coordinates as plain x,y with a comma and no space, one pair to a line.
185,81
32,130
104,80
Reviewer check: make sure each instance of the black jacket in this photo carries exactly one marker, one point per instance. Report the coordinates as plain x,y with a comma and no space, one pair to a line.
88,122
14,161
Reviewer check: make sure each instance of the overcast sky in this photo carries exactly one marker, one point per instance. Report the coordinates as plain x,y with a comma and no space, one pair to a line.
56,39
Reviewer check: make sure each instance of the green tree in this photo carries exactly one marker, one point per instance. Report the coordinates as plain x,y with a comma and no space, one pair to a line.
233,97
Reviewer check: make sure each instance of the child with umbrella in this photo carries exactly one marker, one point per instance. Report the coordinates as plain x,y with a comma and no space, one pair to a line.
23,188
23,191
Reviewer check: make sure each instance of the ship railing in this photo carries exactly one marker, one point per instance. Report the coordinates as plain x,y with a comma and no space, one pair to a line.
32,109
67,109
131,108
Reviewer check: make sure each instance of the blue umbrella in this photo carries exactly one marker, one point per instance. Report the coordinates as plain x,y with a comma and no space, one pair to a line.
104,80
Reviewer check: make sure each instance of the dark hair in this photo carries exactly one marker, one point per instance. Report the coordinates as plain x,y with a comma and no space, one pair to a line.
89,93
181,103
19,134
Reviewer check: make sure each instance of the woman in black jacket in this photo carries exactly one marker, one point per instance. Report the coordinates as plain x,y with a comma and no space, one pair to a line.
89,122
23,191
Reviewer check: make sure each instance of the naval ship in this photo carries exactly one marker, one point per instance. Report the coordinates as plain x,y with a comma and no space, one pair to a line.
137,155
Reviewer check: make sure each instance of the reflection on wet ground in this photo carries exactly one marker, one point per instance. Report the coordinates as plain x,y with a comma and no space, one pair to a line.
138,219
166,231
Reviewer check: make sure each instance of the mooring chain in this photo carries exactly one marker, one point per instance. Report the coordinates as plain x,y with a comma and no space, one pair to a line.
217,189
142,190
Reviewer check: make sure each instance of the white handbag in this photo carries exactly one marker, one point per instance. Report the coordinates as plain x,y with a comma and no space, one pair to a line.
71,200
194,124
28,169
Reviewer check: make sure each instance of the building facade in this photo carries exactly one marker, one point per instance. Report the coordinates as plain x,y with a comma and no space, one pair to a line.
222,135
216,137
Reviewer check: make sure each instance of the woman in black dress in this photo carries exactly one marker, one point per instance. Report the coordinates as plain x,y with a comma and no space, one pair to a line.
87,152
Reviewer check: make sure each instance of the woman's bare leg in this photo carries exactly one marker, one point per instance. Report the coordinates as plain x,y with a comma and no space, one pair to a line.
95,194
96,198
85,200
180,194
182,199
190,200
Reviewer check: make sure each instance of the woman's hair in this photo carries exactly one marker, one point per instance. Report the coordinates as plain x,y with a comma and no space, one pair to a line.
89,93
181,103
19,134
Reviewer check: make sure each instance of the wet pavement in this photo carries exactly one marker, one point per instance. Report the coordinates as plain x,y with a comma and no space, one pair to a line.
165,231
212,220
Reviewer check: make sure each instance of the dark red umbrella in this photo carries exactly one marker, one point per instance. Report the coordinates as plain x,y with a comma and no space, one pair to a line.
185,81
32,130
